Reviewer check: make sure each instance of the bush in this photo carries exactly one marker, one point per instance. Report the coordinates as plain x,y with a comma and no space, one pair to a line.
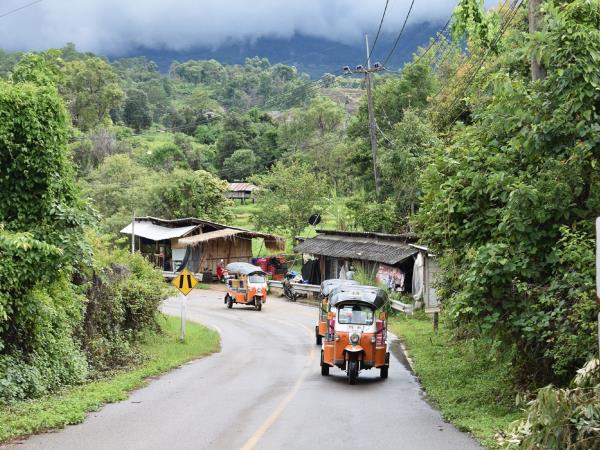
561,418
123,297
39,308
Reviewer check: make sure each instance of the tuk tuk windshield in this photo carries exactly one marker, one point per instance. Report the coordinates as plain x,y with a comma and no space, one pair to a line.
256,279
355,314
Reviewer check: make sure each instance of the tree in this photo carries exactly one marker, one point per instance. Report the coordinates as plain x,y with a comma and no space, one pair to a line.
186,193
136,110
39,68
92,148
91,88
240,165
119,187
40,245
290,192
403,162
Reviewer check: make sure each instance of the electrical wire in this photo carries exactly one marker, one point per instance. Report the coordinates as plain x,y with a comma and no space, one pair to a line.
512,13
8,13
378,31
399,34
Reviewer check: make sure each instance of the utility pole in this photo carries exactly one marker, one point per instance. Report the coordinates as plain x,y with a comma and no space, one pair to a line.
537,70
133,233
368,71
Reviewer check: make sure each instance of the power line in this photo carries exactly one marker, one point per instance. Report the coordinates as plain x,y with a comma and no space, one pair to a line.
512,13
8,13
399,34
379,29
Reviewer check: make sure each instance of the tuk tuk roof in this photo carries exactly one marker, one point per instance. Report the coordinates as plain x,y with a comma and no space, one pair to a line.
244,268
372,295
328,286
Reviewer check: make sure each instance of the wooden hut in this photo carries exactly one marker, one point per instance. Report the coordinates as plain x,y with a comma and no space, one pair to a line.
196,244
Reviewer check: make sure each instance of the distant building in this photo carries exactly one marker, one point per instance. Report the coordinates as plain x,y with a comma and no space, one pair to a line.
241,191
196,244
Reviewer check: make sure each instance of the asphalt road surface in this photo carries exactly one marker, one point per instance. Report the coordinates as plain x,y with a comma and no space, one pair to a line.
263,390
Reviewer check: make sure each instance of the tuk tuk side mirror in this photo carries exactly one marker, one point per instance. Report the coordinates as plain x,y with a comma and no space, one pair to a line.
329,315
382,315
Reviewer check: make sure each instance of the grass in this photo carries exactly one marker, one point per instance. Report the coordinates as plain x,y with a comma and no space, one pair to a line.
71,406
472,388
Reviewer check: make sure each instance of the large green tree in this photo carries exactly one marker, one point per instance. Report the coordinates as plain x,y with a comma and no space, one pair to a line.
92,89
290,192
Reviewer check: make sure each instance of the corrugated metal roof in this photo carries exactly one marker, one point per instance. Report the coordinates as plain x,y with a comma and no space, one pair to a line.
357,247
237,187
155,232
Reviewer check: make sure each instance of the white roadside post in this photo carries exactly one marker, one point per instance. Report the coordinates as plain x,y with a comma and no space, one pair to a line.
598,274
185,282
183,316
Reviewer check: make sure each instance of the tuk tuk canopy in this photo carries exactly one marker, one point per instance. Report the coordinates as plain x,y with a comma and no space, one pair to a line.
328,286
243,268
374,296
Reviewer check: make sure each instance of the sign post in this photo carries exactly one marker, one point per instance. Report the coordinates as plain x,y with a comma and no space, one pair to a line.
185,282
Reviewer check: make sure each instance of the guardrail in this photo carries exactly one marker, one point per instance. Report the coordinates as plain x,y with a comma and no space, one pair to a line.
299,287
403,307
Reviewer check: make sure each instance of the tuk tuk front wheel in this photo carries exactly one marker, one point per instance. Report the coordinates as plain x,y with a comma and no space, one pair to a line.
258,304
324,367
352,371
318,337
230,302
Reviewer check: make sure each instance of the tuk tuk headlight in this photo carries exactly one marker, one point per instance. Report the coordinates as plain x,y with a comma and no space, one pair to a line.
337,337
354,338
373,339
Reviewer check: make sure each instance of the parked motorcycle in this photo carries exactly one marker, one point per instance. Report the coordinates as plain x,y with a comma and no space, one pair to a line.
288,289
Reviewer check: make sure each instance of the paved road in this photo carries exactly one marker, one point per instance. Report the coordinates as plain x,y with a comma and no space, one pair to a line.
264,390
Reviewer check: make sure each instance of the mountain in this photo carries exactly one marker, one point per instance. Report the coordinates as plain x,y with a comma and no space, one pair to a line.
311,55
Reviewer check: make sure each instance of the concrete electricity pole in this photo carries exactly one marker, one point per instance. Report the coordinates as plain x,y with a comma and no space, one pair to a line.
368,71
537,70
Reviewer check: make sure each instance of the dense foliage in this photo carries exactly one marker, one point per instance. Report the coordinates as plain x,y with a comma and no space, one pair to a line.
46,258
510,202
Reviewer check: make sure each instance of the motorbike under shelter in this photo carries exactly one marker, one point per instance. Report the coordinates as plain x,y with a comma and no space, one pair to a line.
387,257
196,244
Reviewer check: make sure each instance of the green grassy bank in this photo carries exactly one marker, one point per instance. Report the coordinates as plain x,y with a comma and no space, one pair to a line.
71,406
470,385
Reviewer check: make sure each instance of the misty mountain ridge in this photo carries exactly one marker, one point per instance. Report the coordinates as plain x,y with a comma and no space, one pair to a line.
312,55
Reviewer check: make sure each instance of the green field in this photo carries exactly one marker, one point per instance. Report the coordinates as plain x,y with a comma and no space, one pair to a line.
469,384
164,352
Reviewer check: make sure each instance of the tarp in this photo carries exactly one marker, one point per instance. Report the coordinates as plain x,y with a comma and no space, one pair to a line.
418,277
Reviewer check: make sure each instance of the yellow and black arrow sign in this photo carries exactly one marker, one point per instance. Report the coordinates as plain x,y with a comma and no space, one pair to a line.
185,282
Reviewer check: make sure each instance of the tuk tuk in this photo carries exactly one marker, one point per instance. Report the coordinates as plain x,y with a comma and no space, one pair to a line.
327,288
246,285
356,337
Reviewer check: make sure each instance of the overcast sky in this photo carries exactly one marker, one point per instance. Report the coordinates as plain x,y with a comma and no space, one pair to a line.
117,26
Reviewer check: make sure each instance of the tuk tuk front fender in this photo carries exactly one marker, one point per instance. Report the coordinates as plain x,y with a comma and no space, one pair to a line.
353,351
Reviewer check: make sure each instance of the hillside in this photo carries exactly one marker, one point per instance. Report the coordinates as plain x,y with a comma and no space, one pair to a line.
311,55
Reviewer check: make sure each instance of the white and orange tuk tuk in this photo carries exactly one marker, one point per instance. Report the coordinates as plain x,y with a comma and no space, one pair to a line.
356,337
246,285
327,288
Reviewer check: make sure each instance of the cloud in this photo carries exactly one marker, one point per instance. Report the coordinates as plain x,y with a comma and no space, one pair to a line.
117,26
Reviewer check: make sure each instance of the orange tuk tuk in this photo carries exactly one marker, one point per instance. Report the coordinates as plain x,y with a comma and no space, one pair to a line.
327,288
247,285
356,337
